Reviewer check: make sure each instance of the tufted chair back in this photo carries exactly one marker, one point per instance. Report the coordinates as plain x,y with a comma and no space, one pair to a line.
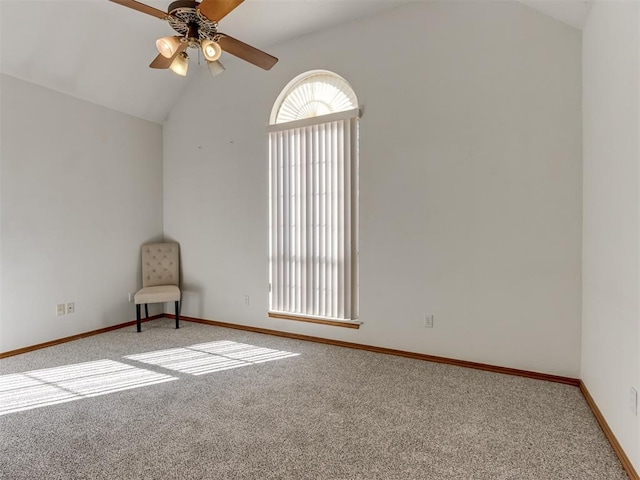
160,264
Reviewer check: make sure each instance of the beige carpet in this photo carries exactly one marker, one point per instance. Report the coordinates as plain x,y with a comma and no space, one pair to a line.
211,403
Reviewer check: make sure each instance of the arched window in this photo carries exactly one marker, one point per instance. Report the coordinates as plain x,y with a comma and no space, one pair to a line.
313,173
313,94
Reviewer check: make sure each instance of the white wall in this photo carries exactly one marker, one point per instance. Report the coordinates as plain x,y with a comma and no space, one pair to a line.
611,256
81,189
470,182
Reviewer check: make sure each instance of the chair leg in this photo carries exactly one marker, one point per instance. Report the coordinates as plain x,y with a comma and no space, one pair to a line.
177,314
138,316
146,310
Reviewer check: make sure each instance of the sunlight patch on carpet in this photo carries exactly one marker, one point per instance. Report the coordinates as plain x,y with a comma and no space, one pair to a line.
50,386
210,357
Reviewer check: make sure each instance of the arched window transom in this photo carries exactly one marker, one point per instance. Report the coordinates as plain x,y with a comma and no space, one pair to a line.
315,94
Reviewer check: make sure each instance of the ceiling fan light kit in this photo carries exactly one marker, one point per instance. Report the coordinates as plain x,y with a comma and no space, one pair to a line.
215,68
168,46
180,64
211,50
197,26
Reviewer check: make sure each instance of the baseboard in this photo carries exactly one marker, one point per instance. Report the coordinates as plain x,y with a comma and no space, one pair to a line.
389,351
622,456
19,351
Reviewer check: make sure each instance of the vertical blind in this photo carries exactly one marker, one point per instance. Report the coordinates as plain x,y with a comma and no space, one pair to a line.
313,216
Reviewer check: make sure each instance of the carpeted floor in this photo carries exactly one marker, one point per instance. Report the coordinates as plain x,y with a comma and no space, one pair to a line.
211,403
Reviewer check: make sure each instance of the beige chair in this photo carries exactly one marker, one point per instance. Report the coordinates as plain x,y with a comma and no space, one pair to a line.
160,278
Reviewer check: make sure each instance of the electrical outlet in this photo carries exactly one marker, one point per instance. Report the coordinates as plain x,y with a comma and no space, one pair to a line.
633,401
428,321
246,299
71,307
131,296
61,309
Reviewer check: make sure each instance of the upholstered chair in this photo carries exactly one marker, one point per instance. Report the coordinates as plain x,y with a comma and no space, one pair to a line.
160,278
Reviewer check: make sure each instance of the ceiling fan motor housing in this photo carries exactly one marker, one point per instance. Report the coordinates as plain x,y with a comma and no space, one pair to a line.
182,4
190,23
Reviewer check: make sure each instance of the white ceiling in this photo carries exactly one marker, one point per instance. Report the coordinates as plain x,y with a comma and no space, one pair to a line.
99,51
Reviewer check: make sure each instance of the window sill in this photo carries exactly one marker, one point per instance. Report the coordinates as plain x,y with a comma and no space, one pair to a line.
335,323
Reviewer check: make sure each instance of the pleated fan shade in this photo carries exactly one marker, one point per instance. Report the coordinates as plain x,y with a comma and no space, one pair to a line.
316,95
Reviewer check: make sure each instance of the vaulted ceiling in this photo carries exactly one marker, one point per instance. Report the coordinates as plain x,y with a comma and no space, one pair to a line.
99,51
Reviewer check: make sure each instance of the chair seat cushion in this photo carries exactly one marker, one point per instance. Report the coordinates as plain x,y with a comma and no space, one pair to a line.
157,294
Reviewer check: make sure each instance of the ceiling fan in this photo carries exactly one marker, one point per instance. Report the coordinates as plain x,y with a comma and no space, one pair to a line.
197,26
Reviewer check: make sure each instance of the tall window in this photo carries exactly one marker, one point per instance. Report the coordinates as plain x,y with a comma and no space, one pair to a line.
313,170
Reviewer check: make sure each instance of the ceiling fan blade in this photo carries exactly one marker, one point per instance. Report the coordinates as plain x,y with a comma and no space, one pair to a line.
246,52
216,10
163,62
141,7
